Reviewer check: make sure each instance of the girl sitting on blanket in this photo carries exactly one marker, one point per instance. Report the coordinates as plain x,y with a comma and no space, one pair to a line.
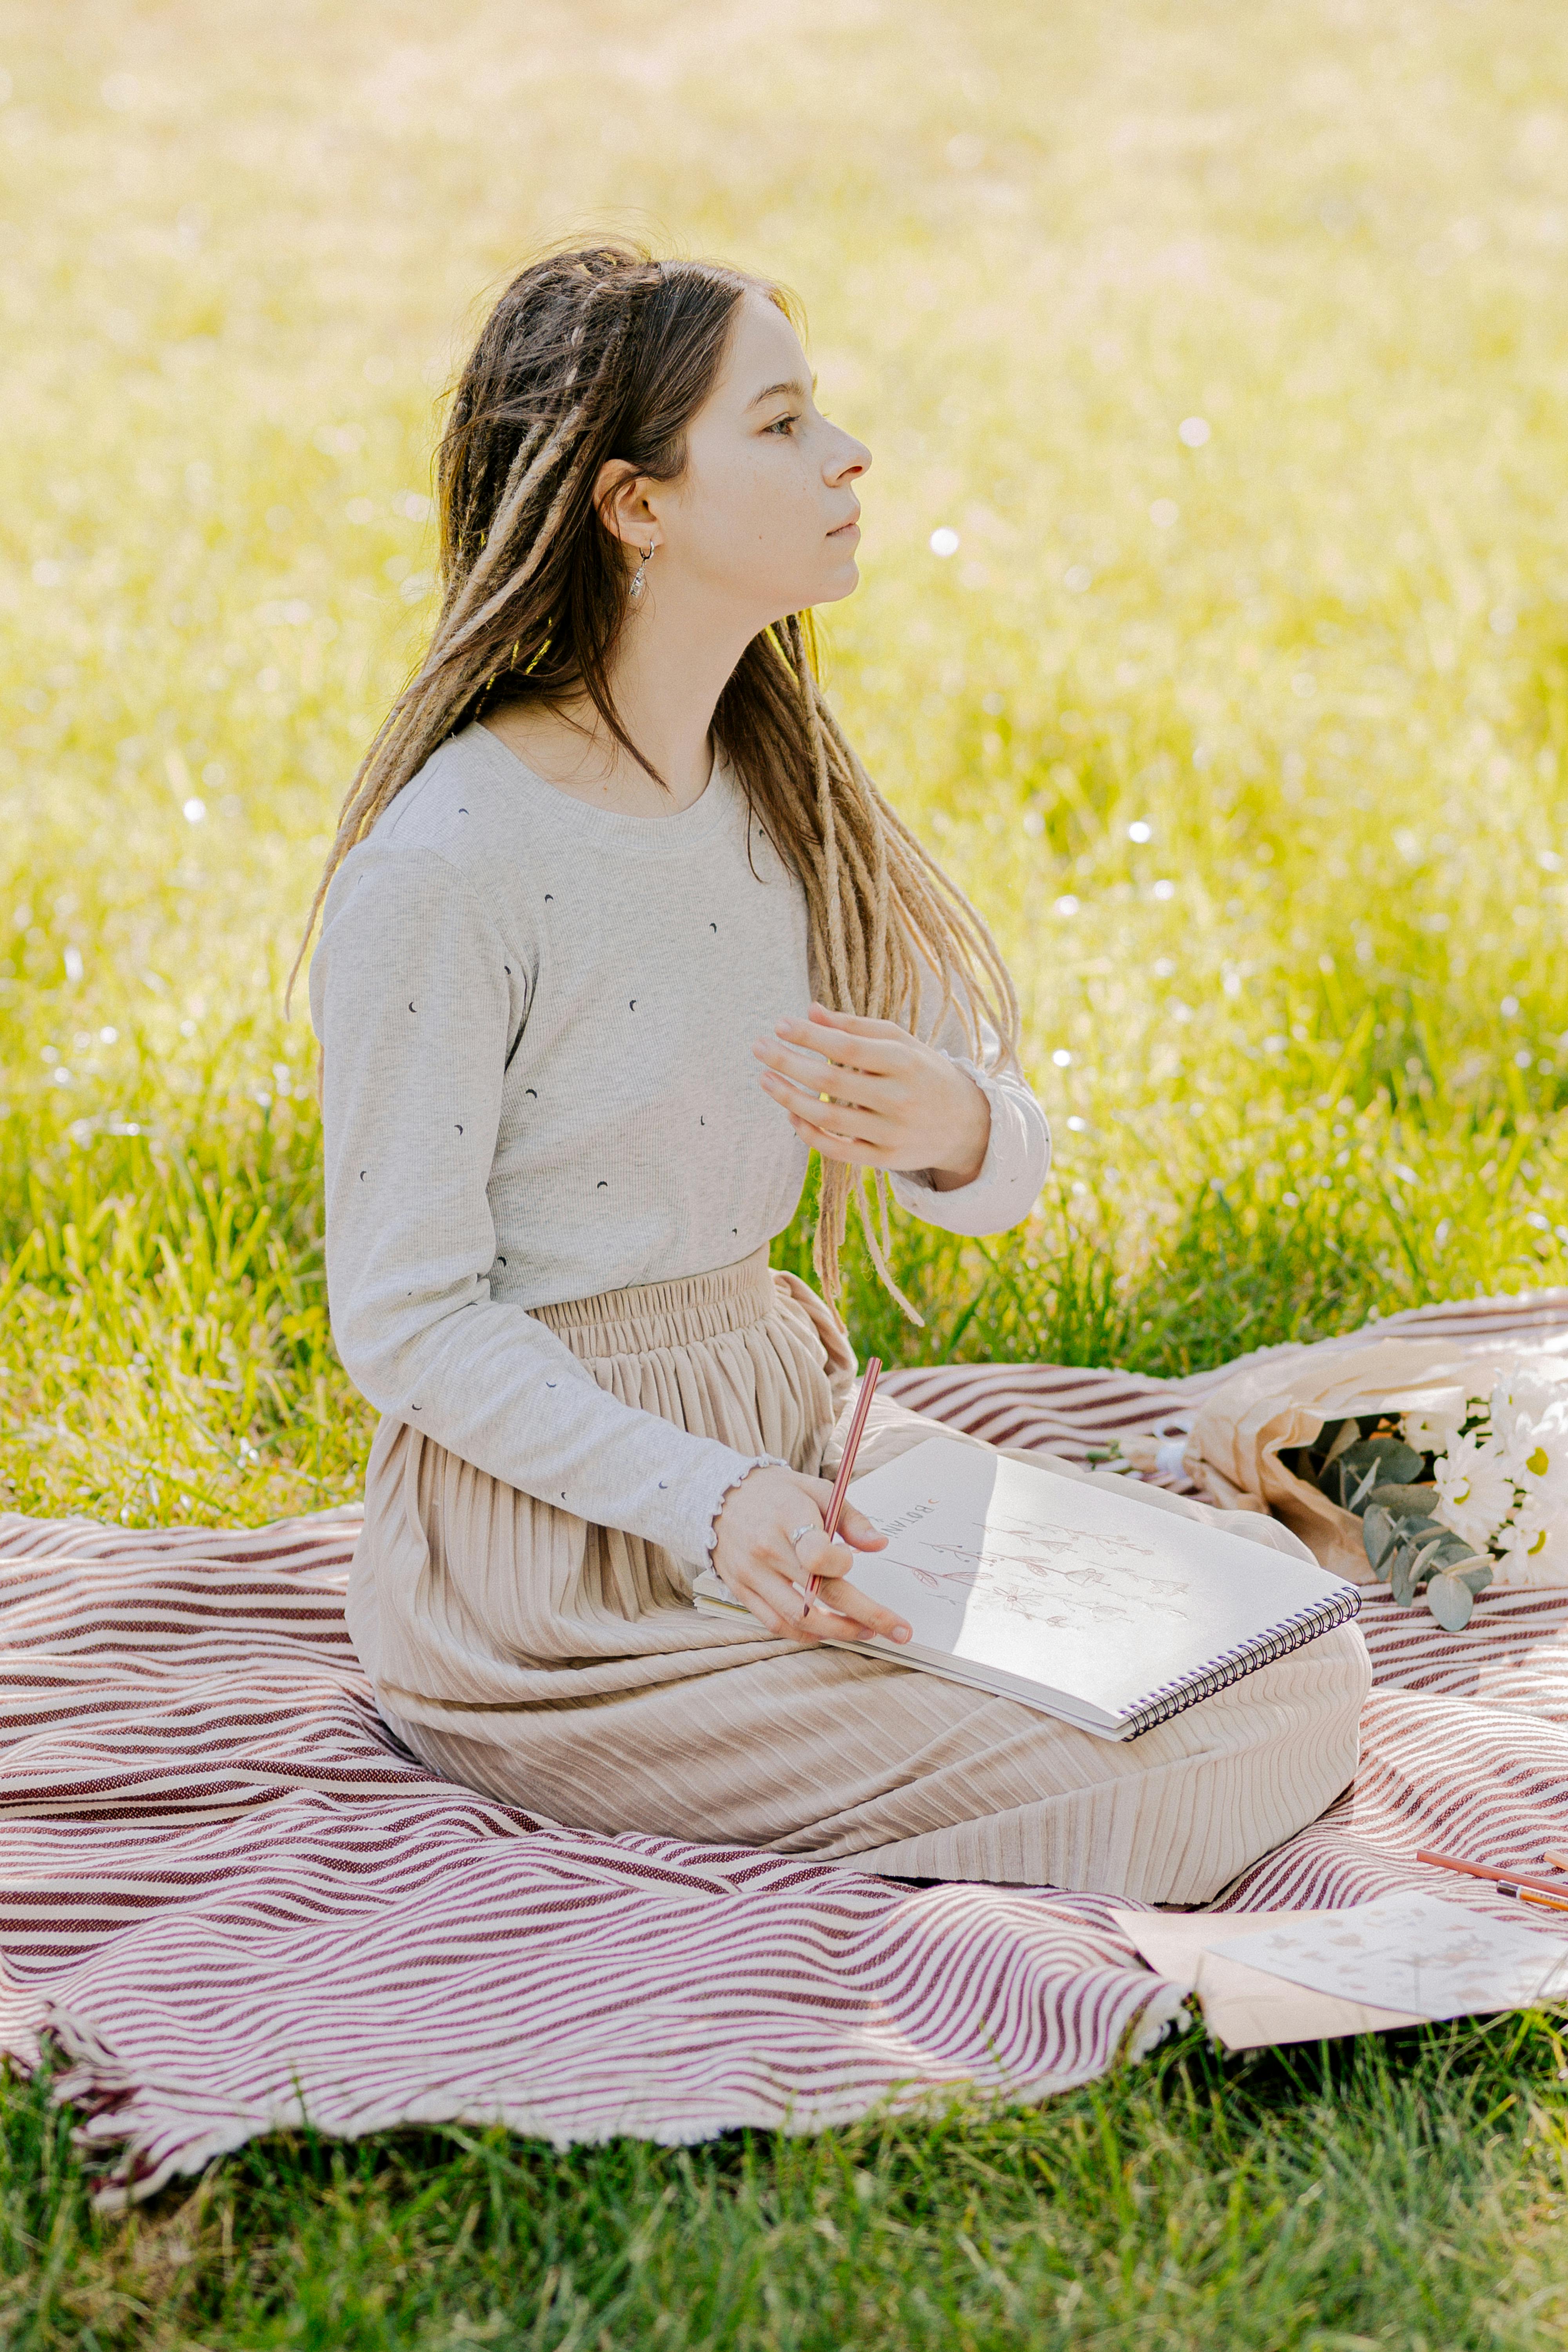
616,931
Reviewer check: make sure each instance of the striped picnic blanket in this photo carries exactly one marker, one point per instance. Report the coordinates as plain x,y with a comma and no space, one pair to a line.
239,1905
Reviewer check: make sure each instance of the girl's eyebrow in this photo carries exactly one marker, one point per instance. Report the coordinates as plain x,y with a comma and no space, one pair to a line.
794,387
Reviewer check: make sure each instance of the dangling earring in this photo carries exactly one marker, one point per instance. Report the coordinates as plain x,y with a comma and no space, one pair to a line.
635,590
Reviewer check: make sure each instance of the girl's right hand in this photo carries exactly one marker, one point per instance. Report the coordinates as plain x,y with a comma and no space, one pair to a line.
754,1557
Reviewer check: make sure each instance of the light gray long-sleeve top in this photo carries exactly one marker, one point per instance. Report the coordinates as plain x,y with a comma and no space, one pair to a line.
536,1019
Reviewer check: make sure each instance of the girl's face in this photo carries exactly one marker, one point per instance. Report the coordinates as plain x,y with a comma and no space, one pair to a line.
764,520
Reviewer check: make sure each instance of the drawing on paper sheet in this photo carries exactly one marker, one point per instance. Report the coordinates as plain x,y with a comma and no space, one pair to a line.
1065,1578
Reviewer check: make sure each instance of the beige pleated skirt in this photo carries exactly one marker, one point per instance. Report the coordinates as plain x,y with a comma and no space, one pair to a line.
560,1666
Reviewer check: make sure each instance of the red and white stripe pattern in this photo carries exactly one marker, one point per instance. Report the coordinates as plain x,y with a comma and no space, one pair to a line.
240,1904
1064,1410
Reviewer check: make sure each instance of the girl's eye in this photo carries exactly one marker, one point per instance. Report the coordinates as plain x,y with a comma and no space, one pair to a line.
784,423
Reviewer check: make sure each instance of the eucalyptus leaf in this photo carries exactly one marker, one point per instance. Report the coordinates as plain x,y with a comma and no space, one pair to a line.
1415,1557
1357,1493
1346,1435
1394,1463
1414,1531
1375,1449
1450,1600
1477,1573
1404,1501
1379,1533
1401,1462
1316,1464
1401,1581
1425,1561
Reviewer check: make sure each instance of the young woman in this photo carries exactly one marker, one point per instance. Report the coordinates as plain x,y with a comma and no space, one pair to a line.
617,931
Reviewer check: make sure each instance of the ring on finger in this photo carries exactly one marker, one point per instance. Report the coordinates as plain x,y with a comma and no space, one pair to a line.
809,1529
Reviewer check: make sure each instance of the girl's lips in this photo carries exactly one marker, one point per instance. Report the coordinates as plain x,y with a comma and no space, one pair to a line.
846,528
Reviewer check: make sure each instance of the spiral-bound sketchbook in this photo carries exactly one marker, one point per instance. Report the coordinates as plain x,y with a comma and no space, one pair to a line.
1070,1594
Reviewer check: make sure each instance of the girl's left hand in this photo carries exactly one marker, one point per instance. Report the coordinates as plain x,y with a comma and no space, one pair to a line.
868,1092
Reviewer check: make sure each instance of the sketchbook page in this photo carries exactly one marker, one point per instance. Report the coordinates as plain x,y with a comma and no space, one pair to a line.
1412,1951
989,1682
1070,1584
1243,2008
713,1599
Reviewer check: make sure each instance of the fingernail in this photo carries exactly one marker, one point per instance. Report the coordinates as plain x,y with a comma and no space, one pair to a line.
900,1633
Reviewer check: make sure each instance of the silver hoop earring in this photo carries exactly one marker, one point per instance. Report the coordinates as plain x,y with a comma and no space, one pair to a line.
635,590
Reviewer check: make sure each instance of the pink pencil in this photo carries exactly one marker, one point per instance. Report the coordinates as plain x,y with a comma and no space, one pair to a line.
851,1447
1521,1883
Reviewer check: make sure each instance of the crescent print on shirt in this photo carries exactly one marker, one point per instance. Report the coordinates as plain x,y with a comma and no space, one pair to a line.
518,1020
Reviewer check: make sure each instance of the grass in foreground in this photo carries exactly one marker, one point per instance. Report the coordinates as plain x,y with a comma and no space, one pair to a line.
1229,344
1408,2191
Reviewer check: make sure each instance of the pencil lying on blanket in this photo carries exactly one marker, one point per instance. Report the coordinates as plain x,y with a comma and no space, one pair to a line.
1554,1895
847,1467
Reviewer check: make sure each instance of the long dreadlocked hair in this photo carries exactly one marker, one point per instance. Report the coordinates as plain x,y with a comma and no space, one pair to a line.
602,354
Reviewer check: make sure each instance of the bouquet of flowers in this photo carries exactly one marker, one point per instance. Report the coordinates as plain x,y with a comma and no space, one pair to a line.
1446,1492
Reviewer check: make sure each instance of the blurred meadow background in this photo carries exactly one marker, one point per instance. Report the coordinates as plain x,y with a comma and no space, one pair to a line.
1214,628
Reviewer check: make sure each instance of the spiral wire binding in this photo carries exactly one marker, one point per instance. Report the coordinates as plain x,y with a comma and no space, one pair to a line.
1294,1633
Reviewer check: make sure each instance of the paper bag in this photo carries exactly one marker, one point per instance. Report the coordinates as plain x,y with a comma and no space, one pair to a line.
1283,1399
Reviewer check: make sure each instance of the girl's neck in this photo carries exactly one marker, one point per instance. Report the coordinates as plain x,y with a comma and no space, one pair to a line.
572,749
665,682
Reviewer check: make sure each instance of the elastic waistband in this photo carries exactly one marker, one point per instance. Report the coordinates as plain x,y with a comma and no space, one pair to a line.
648,1315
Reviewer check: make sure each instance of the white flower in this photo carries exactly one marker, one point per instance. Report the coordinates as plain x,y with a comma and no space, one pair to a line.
1535,1447
1538,1534
1475,1491
1521,1387
1434,1431
1537,1457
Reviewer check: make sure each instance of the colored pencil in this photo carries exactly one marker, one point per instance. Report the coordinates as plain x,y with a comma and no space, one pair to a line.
1553,1894
847,1467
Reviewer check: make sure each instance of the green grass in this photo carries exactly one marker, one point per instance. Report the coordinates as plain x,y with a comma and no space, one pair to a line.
1403,2191
1313,1016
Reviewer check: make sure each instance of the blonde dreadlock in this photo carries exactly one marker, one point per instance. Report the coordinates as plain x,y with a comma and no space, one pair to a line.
604,353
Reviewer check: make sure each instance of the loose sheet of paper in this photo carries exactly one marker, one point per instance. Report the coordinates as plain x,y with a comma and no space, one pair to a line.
1243,2008
1411,1952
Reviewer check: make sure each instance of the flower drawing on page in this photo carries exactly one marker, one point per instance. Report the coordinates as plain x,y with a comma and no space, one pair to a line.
1030,1545
1017,1595
1411,1952
922,1576
1006,1568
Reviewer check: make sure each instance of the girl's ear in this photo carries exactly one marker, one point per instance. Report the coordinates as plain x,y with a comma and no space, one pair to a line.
620,497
